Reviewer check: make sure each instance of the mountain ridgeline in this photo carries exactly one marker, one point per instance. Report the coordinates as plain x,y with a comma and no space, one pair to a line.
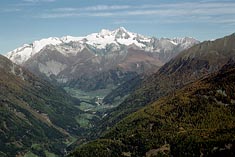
190,65
197,120
35,117
99,59
118,93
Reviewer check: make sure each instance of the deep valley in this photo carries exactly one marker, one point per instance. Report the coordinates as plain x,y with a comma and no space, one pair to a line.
118,93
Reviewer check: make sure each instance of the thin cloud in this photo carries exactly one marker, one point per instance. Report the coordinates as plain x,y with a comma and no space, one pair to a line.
173,12
9,10
107,7
60,15
36,1
65,9
64,15
94,8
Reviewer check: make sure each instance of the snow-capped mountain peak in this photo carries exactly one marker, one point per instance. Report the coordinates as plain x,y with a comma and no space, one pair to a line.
121,29
121,33
67,39
23,53
119,36
98,41
105,32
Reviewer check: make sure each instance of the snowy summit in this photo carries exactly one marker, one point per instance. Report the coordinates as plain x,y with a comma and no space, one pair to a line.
99,40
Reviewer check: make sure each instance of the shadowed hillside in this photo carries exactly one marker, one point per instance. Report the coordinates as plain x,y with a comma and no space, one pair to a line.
193,121
188,66
34,115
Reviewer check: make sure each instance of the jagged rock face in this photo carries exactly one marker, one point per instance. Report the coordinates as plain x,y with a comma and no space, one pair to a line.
68,59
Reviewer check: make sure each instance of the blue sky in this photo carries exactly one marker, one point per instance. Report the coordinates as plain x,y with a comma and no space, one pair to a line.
23,21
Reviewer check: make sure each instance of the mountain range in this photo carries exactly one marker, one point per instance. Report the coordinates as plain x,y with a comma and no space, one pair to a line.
188,66
184,109
118,93
97,60
197,120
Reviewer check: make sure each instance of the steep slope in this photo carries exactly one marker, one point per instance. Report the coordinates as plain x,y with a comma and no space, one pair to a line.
197,120
191,64
33,114
122,91
75,61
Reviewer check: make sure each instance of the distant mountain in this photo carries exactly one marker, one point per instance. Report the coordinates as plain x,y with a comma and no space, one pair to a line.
35,117
197,120
91,62
190,65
